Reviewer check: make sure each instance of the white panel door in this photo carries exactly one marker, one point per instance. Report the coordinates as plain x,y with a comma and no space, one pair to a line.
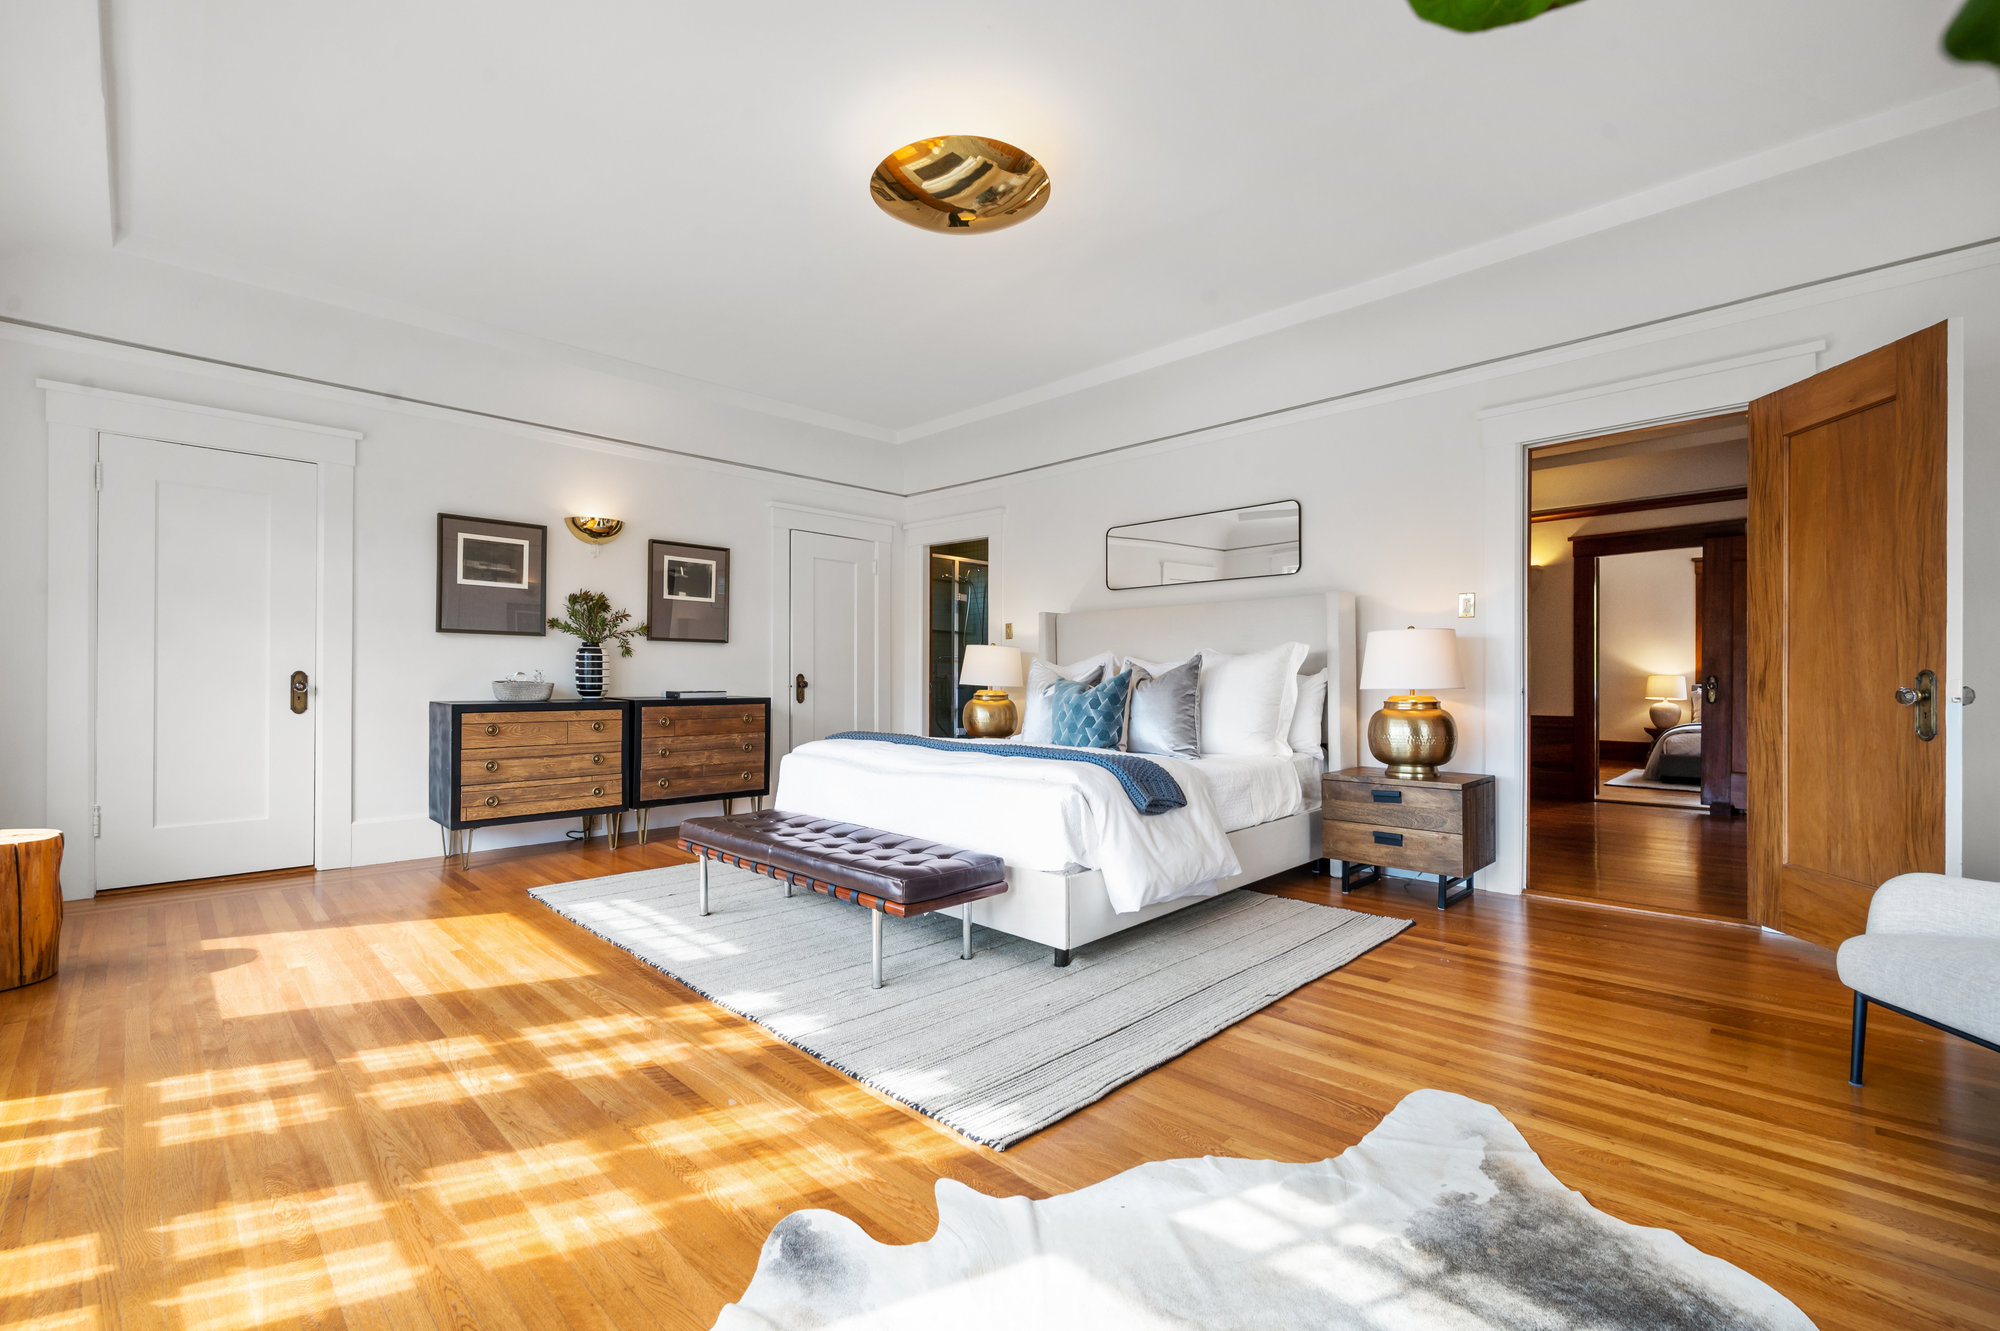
833,636
207,576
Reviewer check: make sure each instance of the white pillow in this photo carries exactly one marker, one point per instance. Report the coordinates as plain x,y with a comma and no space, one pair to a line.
1247,701
1308,733
1037,718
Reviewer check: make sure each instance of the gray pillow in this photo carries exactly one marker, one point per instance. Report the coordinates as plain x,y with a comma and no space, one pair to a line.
1165,712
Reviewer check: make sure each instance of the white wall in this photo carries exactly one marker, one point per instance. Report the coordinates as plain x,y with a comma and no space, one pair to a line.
1645,627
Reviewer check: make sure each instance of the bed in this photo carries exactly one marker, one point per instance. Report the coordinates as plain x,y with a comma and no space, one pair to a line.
1676,755
1082,863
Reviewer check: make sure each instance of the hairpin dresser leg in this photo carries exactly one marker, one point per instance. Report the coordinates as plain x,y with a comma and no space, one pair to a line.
611,822
645,823
875,923
465,850
704,882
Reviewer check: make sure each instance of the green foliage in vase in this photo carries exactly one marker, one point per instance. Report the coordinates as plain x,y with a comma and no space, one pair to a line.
1479,15
589,616
1975,33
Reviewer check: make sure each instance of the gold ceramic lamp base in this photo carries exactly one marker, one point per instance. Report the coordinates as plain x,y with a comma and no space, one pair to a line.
1413,736
990,714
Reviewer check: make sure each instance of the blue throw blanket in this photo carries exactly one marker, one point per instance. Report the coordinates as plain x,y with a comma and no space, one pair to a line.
1147,784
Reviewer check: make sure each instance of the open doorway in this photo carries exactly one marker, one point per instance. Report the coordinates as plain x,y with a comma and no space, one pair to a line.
958,603
1638,671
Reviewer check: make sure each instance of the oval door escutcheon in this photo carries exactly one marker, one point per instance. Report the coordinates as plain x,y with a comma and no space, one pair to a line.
299,694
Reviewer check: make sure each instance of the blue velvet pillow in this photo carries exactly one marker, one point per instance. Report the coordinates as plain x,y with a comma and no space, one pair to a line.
1088,716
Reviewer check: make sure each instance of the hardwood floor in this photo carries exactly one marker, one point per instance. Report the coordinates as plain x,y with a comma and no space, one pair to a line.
1679,861
409,1097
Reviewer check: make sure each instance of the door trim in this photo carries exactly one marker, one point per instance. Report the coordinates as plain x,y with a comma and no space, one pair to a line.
786,518
1585,552
76,415
989,524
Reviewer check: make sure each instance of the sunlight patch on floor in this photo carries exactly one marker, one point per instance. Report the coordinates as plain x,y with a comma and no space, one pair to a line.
267,1117
258,1077
235,1226
57,1264
299,1292
54,1148
61,1107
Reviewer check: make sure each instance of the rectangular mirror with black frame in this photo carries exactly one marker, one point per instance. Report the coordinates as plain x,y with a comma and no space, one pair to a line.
1251,541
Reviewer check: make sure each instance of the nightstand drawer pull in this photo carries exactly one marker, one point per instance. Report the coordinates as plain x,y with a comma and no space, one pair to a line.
596,757
599,790
597,725
1388,838
492,766
1386,796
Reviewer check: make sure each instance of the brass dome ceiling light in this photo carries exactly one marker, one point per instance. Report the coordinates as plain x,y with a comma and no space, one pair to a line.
960,182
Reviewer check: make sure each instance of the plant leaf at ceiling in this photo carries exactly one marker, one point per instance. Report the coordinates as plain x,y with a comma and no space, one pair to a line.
1975,33
1479,15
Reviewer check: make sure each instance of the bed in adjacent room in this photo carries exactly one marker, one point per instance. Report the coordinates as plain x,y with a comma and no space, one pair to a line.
1083,860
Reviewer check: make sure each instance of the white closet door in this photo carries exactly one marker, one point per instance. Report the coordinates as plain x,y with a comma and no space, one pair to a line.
833,635
207,568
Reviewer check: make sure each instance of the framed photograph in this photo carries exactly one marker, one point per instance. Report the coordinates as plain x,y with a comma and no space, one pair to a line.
490,576
687,592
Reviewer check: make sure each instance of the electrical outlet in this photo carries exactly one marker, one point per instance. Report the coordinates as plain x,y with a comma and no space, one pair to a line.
1467,601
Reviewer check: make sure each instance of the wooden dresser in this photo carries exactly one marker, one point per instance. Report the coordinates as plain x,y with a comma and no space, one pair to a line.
683,750
1371,821
512,762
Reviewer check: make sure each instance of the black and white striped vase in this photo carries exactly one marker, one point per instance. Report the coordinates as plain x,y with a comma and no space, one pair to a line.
590,671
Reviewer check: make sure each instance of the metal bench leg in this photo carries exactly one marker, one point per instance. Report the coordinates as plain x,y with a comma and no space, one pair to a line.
965,931
875,926
704,882
1860,1038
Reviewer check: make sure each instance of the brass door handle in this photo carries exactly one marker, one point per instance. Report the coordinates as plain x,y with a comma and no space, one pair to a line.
1711,689
299,694
1923,697
799,688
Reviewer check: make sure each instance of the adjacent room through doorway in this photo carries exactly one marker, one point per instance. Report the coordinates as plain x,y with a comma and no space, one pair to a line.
1637,669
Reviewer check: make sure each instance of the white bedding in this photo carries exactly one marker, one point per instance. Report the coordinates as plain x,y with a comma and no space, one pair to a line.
1045,816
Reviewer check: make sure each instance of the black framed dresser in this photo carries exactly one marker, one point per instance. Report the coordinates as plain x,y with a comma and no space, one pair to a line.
494,763
686,749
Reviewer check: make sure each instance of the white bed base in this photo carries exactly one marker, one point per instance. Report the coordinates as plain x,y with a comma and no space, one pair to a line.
1067,911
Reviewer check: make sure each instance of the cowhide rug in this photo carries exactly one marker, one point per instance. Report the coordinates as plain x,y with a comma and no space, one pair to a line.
1441,1218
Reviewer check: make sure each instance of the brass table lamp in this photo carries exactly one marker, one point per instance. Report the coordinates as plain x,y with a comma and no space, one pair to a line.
991,714
1412,735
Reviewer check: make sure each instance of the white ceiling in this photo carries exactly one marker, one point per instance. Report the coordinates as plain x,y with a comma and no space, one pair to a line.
684,186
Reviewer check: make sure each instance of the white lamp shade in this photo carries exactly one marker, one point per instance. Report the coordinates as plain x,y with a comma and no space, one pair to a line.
1667,688
1415,659
991,667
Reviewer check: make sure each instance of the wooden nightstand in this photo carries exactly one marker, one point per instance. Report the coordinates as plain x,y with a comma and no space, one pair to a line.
1372,821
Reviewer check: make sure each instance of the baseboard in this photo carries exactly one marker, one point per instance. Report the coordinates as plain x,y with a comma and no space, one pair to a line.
1633,751
388,840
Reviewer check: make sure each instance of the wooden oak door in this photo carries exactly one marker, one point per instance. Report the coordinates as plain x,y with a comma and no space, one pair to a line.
1723,684
1847,604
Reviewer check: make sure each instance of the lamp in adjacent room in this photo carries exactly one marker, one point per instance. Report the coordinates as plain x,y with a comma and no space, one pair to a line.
1666,693
991,714
1412,735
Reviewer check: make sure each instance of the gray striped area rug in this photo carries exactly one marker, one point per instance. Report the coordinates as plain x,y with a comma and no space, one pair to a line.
997,1047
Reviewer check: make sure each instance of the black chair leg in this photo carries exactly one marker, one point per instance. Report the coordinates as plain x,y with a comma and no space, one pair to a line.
1860,1038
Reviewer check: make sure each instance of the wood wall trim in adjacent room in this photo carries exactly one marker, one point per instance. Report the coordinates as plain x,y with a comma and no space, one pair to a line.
1727,495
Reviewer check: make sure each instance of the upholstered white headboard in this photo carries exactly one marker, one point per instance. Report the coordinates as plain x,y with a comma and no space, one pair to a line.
1323,621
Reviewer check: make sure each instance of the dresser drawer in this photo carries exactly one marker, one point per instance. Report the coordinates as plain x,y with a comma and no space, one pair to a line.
1405,848
691,782
1392,806
703,719
516,730
667,751
551,795
501,766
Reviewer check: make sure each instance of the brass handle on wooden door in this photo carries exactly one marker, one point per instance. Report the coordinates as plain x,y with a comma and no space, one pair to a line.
299,693
1923,697
799,689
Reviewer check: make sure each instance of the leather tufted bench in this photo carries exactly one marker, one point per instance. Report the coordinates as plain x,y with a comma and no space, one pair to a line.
886,872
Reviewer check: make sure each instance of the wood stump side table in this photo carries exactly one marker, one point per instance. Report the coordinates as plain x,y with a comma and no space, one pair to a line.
31,907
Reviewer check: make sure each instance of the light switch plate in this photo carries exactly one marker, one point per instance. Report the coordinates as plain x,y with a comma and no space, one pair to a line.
1466,605
1010,630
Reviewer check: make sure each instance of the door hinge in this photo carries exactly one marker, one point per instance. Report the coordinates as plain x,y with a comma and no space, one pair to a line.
97,820
98,473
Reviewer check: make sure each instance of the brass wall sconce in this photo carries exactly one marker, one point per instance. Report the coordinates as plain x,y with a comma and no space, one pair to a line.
595,531
960,182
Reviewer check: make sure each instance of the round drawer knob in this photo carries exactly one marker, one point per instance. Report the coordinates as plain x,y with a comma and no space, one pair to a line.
666,720
597,790
664,783
597,757
492,729
492,766
492,801
664,750
750,718
597,725
748,747
746,776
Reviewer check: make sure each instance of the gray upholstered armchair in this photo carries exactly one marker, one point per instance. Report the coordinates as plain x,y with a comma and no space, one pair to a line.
1932,951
